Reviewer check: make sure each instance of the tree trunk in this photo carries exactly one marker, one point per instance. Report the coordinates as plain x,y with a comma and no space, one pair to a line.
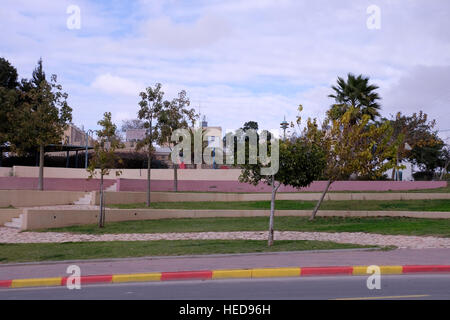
320,200
100,218
41,168
175,177
272,211
149,158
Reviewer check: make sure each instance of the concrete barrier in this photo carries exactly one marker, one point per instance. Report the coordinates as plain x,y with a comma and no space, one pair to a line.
5,171
140,197
54,184
6,215
135,174
32,198
41,219
236,186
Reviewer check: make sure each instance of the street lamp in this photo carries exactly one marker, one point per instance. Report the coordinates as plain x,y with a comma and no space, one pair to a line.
86,156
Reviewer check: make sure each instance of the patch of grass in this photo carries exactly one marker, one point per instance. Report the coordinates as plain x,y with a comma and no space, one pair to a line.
354,205
437,190
380,225
119,249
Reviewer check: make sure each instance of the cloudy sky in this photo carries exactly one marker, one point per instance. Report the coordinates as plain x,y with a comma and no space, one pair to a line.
239,60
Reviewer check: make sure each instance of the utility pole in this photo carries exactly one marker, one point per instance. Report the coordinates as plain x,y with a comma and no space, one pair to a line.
86,155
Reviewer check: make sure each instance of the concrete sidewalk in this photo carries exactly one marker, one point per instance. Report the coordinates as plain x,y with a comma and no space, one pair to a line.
240,261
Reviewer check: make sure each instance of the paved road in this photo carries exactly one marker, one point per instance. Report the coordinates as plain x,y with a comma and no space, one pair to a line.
230,261
392,287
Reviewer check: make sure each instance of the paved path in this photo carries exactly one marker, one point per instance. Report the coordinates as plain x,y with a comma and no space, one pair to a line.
9,235
230,261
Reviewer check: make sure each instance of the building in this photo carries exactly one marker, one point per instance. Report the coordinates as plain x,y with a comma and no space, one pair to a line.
134,135
75,136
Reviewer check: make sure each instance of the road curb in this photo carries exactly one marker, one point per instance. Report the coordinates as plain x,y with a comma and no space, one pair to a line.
226,274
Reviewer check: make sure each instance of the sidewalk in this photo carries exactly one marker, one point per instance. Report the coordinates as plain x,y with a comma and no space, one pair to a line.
239,261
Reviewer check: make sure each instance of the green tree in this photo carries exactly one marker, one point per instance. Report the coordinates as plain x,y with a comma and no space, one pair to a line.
43,115
250,125
8,101
421,144
430,157
353,148
150,105
445,161
300,163
354,92
104,157
172,116
131,124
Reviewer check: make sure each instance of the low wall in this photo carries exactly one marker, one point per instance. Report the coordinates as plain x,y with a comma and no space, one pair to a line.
42,219
236,186
6,215
140,197
202,180
5,172
60,184
33,198
139,174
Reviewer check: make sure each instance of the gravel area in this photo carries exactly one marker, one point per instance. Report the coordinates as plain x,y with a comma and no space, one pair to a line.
10,235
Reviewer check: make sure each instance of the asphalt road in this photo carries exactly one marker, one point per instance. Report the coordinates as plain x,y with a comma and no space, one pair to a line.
341,287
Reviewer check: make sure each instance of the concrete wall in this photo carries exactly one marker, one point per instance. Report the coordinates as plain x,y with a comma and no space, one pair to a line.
62,184
6,215
40,219
140,197
236,186
157,174
202,180
31,198
5,171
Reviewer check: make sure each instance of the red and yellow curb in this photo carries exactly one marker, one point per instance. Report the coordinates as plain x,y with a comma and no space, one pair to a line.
226,274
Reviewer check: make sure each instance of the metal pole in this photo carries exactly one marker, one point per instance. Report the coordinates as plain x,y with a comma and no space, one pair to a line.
86,152
86,156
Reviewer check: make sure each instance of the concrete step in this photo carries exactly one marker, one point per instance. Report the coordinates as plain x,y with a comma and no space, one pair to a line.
86,199
15,223
112,188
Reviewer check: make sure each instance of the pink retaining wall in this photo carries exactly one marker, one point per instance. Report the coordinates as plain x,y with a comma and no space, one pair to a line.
61,184
235,186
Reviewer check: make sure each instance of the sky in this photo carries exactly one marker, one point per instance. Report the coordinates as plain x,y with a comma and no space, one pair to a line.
238,60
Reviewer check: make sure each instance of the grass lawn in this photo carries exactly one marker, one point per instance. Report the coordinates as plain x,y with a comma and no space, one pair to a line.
95,250
372,205
381,225
437,190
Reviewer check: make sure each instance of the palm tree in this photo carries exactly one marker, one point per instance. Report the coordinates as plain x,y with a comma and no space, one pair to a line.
356,92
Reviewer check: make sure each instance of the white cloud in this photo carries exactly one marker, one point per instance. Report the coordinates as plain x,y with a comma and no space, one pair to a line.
116,85
244,60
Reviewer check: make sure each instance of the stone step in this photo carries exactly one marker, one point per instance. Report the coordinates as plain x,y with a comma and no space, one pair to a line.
15,223
86,199
112,188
